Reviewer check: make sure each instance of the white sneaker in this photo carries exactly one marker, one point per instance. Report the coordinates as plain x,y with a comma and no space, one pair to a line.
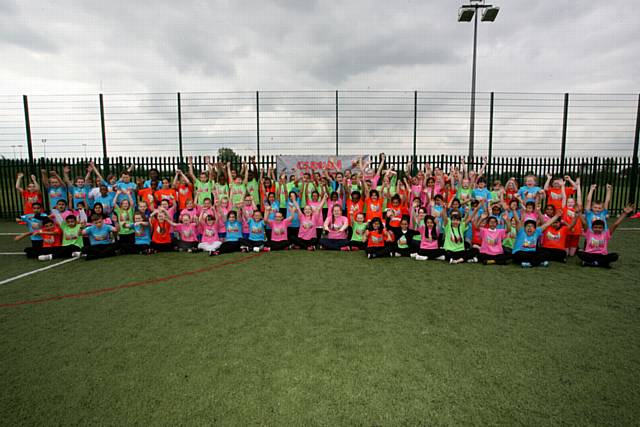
256,249
45,257
472,260
413,255
397,254
420,257
76,254
441,258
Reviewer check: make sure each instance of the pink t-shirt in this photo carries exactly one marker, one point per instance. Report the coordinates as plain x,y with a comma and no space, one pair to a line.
428,241
526,216
316,208
248,212
279,230
492,241
193,213
187,232
209,233
335,226
307,230
596,243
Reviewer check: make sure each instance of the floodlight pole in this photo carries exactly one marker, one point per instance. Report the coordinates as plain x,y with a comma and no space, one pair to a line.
472,113
475,5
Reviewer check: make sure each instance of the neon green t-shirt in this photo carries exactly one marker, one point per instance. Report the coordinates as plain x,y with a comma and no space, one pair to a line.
125,219
205,188
71,235
454,237
357,235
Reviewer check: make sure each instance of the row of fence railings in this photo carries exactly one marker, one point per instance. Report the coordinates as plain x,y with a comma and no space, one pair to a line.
620,172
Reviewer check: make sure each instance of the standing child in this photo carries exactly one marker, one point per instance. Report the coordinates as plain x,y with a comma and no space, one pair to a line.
29,196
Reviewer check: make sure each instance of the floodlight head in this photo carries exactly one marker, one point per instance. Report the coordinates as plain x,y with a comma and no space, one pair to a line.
490,13
465,14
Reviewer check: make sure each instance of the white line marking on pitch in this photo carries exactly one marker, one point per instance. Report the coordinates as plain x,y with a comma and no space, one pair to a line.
29,273
12,253
10,234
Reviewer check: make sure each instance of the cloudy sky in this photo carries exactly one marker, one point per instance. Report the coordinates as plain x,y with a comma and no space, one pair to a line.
60,47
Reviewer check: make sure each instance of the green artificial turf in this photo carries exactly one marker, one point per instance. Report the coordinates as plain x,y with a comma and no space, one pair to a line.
298,338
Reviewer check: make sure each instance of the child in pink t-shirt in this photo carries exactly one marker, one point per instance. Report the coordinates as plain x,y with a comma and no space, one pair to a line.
210,240
187,234
596,252
307,236
336,227
429,242
491,250
278,240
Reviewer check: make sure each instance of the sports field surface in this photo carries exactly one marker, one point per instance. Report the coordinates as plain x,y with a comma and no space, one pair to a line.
299,338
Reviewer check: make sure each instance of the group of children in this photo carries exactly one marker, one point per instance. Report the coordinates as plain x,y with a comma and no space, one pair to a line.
426,215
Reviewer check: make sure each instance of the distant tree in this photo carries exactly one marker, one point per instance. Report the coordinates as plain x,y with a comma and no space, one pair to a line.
228,155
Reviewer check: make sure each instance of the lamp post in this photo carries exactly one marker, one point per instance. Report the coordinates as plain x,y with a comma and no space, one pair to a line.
465,14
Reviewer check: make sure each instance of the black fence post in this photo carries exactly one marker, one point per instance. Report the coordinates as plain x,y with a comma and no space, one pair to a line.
337,150
179,126
415,127
105,159
490,153
563,147
27,127
634,159
258,124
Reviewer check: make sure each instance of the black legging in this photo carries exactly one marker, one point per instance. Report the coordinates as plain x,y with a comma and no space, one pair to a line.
333,244
431,253
251,243
601,260
556,255
378,252
229,246
534,258
278,246
56,251
163,247
304,244
99,251
500,259
466,254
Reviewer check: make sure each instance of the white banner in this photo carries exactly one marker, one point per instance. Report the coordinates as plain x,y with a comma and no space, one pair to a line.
318,163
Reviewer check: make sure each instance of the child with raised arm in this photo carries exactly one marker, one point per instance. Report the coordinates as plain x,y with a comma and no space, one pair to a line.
51,238
123,215
429,241
279,225
34,223
596,209
187,231
596,252
336,227
210,241
161,240
525,249
55,188
307,236
101,239
376,237
256,239
142,235
454,245
233,234
530,192
554,238
491,250
568,214
29,196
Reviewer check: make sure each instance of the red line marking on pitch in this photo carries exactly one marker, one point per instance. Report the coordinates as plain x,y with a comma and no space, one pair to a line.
129,285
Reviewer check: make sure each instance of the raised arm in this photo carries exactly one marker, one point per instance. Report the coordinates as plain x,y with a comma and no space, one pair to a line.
592,189
34,181
625,212
65,174
607,197
96,170
551,220
19,181
45,177
547,182
190,169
